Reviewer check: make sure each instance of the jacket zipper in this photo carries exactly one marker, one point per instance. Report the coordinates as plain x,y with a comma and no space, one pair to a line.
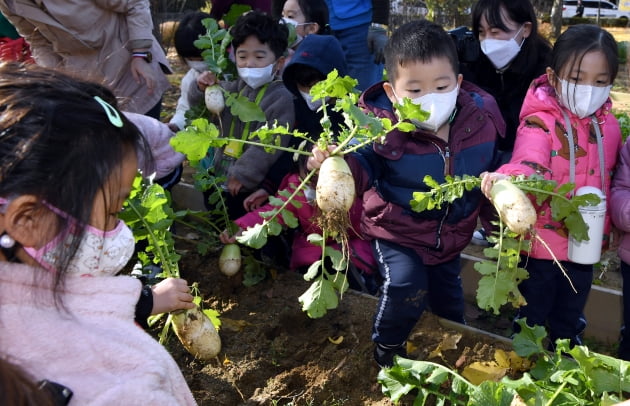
446,157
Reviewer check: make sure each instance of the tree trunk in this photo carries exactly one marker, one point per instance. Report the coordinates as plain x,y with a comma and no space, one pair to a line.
556,19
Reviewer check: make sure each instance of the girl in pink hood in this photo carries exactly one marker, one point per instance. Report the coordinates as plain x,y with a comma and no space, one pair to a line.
567,134
68,159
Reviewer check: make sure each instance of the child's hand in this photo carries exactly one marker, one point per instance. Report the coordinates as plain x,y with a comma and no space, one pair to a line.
171,294
488,179
315,160
255,200
206,79
226,238
234,185
173,127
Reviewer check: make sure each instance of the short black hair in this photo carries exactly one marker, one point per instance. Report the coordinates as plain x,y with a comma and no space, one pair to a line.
264,27
188,30
419,41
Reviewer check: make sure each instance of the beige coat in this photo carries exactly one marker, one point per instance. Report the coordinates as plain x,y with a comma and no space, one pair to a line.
93,38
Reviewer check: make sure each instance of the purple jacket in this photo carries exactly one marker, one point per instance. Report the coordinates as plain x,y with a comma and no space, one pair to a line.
390,172
619,203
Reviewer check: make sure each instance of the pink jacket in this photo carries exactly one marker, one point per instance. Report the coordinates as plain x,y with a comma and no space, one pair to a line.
157,134
619,203
89,342
304,253
541,147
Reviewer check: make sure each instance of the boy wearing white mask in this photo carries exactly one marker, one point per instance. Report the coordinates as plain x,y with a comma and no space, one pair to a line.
259,43
567,134
418,253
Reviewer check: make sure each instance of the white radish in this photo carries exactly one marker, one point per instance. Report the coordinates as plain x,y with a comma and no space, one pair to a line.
335,185
197,333
214,99
513,206
230,259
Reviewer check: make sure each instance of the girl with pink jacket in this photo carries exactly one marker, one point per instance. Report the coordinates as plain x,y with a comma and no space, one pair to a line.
567,134
69,157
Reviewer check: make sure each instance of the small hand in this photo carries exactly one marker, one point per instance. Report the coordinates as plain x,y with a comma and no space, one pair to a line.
227,238
173,127
206,79
234,185
171,294
377,39
142,72
255,200
315,160
488,179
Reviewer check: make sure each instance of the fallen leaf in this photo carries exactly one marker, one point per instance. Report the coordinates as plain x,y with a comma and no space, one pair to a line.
226,361
233,325
478,372
449,342
336,341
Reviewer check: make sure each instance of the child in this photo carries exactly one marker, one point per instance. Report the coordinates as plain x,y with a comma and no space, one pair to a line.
418,253
259,43
316,56
188,31
574,89
620,216
68,162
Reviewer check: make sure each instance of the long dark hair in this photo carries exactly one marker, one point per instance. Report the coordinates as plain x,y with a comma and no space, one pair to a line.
519,11
60,144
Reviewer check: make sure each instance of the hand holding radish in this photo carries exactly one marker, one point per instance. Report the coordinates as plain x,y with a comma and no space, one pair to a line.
488,179
171,294
315,160
255,200
234,185
206,79
229,238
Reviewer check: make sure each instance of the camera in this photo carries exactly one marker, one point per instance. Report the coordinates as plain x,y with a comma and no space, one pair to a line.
466,44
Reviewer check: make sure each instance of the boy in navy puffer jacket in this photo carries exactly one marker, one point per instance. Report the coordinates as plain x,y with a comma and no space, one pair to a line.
418,253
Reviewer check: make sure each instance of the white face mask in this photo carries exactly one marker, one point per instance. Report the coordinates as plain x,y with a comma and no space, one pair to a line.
582,100
440,107
312,104
501,51
100,253
256,77
199,66
295,24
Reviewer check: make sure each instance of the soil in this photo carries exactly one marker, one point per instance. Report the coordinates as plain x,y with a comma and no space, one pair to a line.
274,354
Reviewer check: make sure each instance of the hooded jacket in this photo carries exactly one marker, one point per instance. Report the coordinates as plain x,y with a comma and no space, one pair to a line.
90,342
391,171
620,202
542,148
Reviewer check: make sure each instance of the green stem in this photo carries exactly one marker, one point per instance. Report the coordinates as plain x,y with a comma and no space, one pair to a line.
278,147
200,218
169,268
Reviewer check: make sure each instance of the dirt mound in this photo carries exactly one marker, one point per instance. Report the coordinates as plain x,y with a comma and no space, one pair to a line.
273,354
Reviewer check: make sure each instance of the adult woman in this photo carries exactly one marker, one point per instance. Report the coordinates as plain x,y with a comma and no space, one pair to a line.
107,41
513,54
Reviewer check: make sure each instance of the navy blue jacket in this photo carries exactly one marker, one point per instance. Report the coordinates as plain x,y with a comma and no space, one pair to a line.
390,172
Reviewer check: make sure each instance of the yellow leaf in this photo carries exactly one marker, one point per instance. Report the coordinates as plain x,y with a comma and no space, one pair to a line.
233,325
226,361
336,341
449,342
512,360
410,347
478,372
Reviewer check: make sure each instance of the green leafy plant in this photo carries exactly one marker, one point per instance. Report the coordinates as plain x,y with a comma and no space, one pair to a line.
359,130
567,376
624,124
500,271
149,214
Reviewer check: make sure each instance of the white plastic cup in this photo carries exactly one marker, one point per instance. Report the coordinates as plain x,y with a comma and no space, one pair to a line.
589,252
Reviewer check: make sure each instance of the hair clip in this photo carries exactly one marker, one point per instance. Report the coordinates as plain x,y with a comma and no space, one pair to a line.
6,241
112,113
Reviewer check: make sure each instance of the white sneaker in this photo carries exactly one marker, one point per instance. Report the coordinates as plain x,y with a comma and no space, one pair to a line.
480,237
